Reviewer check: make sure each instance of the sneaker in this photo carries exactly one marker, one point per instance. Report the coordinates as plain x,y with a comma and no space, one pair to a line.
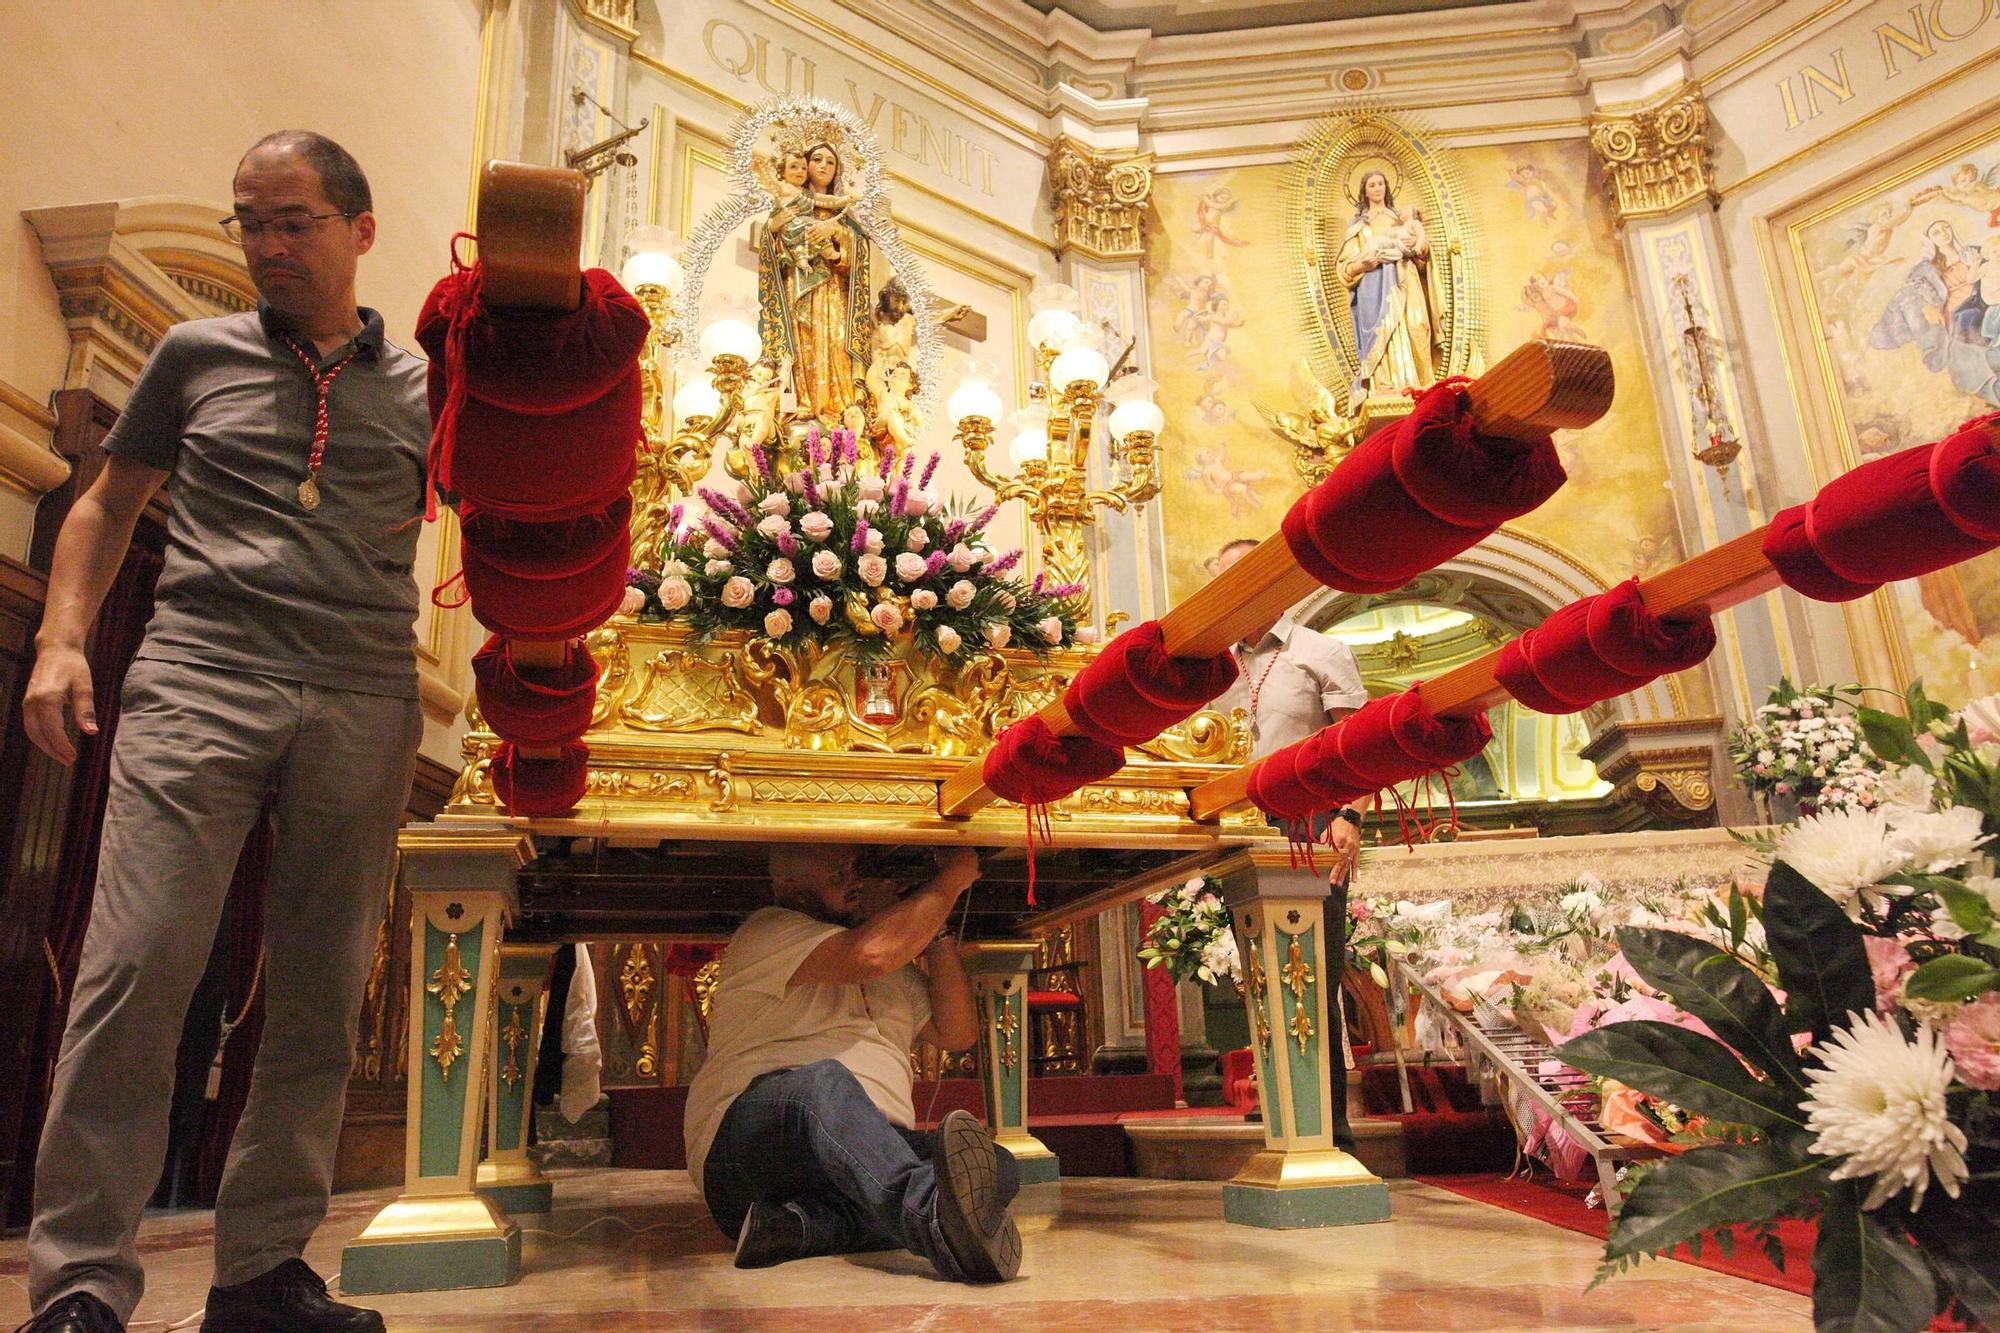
291,1298
78,1312
977,1230
773,1233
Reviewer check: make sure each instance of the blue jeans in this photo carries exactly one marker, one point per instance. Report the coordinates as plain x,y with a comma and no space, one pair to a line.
809,1137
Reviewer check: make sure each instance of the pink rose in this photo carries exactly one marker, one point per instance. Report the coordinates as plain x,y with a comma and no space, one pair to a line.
1890,963
775,503
715,569
923,599
909,566
1051,629
675,592
796,483
1009,600
738,592
961,558
997,634
1088,634
873,541
633,602
872,569
714,550
1973,1038
1360,910
820,608
816,526
886,617
825,565
771,525
777,624
781,571
871,487
959,595
947,640
739,492
918,539
917,504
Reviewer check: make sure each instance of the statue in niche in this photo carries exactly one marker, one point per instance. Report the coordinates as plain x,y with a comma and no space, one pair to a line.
1385,263
812,283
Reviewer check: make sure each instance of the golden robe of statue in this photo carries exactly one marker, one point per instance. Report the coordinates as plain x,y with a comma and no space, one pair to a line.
813,286
1384,261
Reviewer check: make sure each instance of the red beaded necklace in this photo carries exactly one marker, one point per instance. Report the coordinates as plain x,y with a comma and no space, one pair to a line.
1257,686
322,385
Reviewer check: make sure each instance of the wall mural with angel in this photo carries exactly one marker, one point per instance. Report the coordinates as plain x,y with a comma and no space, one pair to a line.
1902,284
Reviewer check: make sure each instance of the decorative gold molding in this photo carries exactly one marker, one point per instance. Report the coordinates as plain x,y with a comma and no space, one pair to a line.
449,983
1098,201
1663,767
1657,158
28,463
620,17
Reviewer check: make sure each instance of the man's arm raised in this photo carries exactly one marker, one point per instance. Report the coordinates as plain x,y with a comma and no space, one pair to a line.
89,549
894,937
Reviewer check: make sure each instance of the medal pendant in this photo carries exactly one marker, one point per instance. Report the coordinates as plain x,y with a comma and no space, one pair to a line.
309,493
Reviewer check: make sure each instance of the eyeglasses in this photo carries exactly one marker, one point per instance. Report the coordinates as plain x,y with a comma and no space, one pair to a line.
287,227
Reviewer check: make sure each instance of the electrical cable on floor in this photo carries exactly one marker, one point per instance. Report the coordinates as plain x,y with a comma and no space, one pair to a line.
610,1217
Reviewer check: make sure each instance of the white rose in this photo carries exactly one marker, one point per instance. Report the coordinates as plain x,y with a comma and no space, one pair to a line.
1088,634
825,565
923,599
909,566
997,634
1051,629
917,504
778,623
947,639
675,592
872,569
918,539
715,569
674,567
871,487
796,483
886,617
820,608
961,558
773,526
781,571
960,594
816,526
872,543
867,508
714,550
738,592
775,503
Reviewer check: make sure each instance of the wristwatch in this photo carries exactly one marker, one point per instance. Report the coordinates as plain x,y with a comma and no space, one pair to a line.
1350,814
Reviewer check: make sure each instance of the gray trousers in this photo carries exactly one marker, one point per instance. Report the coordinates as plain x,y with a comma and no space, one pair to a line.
197,750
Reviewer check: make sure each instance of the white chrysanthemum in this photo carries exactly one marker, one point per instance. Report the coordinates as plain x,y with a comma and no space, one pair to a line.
1879,1102
1905,791
1844,853
1933,843
1219,959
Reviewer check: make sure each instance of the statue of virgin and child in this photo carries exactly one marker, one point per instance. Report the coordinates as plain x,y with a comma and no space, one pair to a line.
1385,264
815,311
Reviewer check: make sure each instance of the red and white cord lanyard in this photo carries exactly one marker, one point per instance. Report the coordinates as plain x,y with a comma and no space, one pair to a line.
322,384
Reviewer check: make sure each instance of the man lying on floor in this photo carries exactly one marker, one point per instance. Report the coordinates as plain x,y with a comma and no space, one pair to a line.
800,1126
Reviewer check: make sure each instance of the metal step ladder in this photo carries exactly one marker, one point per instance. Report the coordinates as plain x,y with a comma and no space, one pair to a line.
1531,1068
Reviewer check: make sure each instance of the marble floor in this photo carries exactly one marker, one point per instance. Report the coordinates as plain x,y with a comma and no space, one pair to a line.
633,1250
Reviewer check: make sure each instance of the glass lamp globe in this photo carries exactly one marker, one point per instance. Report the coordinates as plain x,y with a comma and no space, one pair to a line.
1137,414
729,336
1054,324
973,398
1028,434
1080,363
652,259
697,398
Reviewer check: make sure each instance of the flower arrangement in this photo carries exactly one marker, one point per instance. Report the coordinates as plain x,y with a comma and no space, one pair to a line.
1854,1078
1192,940
861,556
1805,745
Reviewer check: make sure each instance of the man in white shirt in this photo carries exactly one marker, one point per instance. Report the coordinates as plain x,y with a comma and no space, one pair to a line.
801,1132
1292,681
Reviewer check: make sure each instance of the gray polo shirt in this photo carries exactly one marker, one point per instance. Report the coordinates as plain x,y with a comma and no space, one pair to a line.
1301,678
253,580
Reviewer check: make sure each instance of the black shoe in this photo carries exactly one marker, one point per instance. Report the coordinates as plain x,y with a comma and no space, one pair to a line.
291,1298
773,1233
78,1312
977,1230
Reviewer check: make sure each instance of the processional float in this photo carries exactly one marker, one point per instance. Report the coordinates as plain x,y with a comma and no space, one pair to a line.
1472,455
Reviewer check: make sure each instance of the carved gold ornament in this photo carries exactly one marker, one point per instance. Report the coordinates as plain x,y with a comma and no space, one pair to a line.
1259,989
1098,201
512,1034
1656,158
449,983
1005,1026
1298,973
1302,1026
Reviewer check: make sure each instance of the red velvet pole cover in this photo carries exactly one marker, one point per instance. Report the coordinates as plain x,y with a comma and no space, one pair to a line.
1032,765
1133,690
1910,513
540,788
1599,647
1415,494
547,608
1391,739
535,361
535,707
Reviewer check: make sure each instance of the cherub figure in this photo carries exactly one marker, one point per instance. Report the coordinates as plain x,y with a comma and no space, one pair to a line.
760,407
898,422
1868,242
1214,344
1209,211
1967,187
1237,487
1538,197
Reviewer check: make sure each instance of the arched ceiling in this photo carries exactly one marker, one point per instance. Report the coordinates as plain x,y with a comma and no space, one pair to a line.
1169,17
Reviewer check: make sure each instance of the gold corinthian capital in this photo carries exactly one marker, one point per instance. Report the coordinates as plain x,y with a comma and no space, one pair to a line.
1657,158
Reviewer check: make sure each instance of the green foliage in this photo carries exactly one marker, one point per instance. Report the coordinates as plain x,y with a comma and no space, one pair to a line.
1694,1193
1867,1277
1721,992
1687,1069
1822,963
1951,976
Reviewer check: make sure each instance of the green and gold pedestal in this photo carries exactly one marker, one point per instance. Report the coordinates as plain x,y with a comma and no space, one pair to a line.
439,1234
507,1178
999,971
1300,1179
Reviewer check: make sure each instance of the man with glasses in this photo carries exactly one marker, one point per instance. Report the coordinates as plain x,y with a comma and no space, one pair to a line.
279,662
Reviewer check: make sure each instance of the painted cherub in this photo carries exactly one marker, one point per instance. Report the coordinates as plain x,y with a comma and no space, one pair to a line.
1868,242
1967,187
1236,486
1209,211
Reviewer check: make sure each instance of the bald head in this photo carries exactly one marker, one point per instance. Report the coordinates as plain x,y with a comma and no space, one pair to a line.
816,880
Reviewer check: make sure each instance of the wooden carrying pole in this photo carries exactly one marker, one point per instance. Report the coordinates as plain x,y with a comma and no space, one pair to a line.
1713,581
1537,388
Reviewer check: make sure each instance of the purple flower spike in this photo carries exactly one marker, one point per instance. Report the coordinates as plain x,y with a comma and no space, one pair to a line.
930,469
1004,563
715,529
810,487
909,465
860,537
1036,587
761,460
985,517
900,500
814,451
782,596
726,507
934,562
674,517
954,530
788,545
888,463
852,452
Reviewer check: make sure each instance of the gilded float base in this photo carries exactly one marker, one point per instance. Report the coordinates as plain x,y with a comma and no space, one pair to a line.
1313,1188
432,1244
515,1188
1036,1163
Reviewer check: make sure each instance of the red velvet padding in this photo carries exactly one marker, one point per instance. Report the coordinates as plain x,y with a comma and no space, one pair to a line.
1032,765
1600,647
540,788
1392,739
1910,513
557,608
1133,690
538,707
549,550
1276,789
537,361
1415,494
539,468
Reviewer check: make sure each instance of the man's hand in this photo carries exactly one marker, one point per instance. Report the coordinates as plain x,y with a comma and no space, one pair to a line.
59,694
958,869
1345,841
